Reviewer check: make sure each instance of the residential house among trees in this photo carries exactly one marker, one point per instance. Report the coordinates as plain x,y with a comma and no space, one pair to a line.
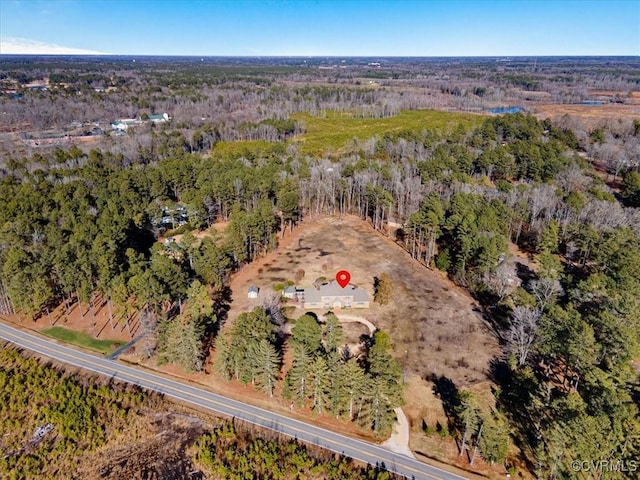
332,295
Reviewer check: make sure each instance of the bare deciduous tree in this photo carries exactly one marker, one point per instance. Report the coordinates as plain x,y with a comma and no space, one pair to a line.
545,290
522,332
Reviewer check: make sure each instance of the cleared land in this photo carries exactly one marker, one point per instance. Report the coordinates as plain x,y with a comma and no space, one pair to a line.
596,114
332,132
435,326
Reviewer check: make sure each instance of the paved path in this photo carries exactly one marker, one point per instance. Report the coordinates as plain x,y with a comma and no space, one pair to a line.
353,319
398,442
356,449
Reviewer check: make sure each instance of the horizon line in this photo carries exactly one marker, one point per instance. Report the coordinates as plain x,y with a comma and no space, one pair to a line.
311,56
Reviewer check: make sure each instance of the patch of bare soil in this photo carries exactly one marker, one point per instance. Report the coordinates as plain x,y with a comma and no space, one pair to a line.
161,452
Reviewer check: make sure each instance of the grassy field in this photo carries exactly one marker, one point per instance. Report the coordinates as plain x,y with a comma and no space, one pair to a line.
82,339
332,132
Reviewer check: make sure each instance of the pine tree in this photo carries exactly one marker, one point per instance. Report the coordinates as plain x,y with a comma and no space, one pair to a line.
352,384
333,334
377,412
319,384
298,376
494,441
467,417
307,334
180,342
265,364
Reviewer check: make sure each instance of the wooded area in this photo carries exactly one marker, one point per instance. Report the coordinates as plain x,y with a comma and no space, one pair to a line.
81,226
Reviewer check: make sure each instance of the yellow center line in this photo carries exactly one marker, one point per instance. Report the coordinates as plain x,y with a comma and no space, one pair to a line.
162,387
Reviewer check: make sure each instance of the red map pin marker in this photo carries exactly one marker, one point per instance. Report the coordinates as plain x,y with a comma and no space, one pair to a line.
343,277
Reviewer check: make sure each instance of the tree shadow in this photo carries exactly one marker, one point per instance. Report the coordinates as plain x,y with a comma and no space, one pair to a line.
222,298
515,397
447,392
524,273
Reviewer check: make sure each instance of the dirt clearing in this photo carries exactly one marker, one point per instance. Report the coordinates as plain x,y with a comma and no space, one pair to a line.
435,326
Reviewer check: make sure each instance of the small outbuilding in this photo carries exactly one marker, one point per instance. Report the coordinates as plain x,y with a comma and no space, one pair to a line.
253,292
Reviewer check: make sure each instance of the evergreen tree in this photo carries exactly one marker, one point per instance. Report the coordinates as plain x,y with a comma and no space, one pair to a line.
180,342
319,384
298,377
333,334
384,289
352,387
265,364
494,440
307,334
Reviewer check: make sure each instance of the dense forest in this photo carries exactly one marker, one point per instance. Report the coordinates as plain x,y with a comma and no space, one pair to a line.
78,225
236,452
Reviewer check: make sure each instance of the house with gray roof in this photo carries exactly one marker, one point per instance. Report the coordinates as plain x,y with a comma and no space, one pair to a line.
332,295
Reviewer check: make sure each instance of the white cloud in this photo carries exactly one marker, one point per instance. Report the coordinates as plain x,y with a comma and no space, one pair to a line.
25,46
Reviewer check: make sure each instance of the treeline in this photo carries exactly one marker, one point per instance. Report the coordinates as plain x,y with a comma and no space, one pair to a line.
234,451
325,375
226,98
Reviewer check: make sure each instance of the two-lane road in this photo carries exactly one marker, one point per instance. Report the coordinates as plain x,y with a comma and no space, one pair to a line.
356,449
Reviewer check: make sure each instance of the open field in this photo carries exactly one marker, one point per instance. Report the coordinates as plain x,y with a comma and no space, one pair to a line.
434,325
591,113
332,132
83,340
335,129
594,115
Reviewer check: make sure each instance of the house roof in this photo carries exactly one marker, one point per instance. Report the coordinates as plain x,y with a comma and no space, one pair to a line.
332,289
290,289
253,288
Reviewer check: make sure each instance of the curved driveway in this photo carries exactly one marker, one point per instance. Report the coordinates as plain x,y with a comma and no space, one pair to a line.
356,449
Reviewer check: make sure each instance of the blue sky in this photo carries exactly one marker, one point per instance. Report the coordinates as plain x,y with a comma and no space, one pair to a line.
322,27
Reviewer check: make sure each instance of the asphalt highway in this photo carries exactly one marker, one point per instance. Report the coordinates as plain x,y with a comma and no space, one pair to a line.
356,449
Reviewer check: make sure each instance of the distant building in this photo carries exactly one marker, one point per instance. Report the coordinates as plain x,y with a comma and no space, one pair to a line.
332,295
159,117
124,124
253,292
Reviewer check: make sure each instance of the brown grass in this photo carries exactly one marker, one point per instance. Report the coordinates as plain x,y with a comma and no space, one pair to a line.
591,115
434,325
